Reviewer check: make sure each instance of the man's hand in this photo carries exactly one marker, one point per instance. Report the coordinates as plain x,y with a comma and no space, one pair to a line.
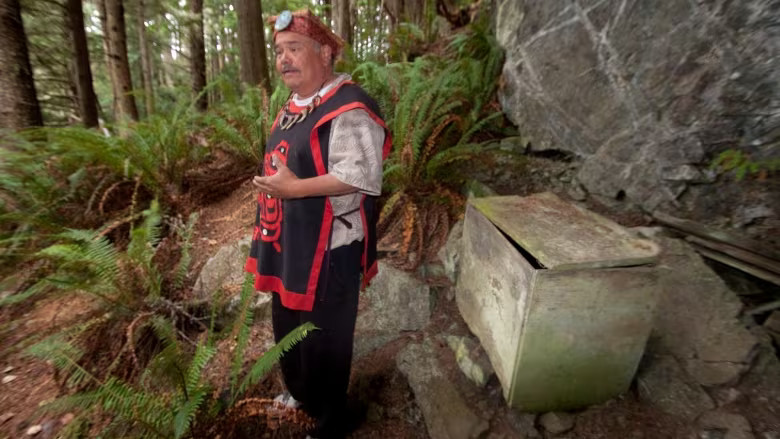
280,185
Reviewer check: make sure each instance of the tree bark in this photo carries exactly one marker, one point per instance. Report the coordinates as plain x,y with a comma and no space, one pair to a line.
84,87
101,4
342,20
251,44
117,37
19,107
198,55
146,59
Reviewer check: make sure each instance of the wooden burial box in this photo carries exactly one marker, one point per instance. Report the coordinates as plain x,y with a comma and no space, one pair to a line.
561,299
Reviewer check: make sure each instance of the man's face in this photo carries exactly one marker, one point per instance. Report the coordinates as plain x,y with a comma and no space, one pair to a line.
302,66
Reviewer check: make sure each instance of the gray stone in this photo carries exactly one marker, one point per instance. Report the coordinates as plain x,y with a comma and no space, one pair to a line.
260,306
224,270
471,358
749,214
367,342
735,426
396,302
642,87
577,192
449,255
447,416
524,424
664,384
557,422
697,318
772,325
725,396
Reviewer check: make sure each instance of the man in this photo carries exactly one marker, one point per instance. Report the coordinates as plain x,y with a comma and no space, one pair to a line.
314,233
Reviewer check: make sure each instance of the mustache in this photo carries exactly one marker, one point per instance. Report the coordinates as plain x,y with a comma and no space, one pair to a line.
286,68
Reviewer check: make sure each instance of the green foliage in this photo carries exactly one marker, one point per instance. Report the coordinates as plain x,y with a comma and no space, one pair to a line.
743,165
440,110
172,390
263,364
86,261
243,124
185,233
435,104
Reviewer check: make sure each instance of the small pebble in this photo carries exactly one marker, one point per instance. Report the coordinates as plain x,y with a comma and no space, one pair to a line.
8,378
35,429
8,369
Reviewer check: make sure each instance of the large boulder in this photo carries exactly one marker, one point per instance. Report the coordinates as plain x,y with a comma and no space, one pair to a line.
664,384
224,270
646,93
447,416
396,301
697,318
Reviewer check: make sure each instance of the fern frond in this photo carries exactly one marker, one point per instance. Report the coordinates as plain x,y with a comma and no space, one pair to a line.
267,360
242,328
203,354
186,413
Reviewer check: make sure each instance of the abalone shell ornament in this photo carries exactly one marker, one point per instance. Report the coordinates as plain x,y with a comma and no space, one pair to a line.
283,20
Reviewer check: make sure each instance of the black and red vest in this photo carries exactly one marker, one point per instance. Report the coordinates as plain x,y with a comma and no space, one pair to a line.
291,236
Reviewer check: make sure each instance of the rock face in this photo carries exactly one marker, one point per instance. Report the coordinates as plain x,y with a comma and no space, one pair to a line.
664,384
646,92
447,416
696,318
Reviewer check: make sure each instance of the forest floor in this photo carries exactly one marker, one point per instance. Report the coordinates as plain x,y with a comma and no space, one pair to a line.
377,387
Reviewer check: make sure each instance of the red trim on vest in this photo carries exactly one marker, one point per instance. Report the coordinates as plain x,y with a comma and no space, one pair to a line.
296,109
314,140
319,253
273,284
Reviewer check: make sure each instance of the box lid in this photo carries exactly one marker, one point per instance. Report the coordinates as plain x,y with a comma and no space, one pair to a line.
563,236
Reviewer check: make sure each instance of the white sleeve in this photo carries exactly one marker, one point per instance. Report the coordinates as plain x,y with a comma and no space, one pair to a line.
355,151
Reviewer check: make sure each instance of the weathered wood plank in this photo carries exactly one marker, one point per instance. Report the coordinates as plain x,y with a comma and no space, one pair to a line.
736,263
493,285
726,237
738,253
562,236
584,336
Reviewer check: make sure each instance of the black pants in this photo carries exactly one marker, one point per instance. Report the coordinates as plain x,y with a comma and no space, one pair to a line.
316,371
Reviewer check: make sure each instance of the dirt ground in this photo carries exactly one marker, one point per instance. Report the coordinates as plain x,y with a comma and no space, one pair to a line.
378,390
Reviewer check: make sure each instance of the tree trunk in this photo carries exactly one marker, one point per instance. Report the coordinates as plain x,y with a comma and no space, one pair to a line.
117,45
107,54
19,106
146,59
198,55
251,44
342,20
84,87
214,68
414,12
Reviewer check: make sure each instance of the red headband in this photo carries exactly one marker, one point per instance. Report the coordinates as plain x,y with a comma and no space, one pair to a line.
305,23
